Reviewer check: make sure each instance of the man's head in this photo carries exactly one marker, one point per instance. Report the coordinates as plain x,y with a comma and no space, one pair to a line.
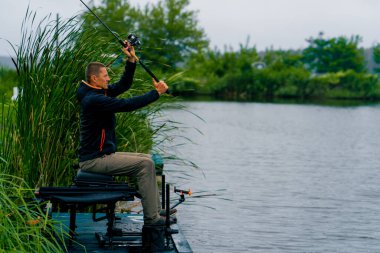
97,75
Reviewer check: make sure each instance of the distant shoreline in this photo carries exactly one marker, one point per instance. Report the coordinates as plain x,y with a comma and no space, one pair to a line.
6,61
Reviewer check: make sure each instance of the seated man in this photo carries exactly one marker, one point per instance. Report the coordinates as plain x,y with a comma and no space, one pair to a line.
97,153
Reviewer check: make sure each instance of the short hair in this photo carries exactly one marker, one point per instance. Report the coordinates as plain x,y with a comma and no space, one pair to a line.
93,68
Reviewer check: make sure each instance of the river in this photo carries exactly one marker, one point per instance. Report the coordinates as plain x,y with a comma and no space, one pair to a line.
280,177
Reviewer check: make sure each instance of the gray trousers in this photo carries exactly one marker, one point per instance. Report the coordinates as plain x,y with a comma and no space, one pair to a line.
137,165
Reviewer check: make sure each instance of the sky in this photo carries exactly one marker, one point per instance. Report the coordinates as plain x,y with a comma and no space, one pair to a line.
278,24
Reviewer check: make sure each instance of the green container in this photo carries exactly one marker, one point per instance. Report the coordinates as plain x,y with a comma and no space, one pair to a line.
159,163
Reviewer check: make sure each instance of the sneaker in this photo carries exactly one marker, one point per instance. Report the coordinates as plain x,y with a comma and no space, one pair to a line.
171,212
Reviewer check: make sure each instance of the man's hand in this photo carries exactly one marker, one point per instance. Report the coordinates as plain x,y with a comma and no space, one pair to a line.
161,86
129,50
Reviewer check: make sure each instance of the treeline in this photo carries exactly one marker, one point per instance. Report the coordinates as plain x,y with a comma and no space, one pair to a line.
174,43
327,68
178,51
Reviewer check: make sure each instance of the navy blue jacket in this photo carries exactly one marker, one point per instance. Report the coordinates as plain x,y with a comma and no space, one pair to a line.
97,113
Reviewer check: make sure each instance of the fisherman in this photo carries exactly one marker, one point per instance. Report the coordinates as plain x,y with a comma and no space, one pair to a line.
97,153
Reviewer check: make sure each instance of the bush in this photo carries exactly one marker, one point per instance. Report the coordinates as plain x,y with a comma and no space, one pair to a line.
348,84
185,87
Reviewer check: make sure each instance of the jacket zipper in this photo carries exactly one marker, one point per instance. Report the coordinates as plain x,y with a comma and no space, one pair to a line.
102,139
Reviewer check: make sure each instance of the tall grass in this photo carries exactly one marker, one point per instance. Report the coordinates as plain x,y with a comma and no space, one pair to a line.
8,80
24,227
40,137
40,131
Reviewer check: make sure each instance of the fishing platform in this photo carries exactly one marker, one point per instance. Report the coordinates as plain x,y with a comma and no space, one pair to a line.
104,230
86,241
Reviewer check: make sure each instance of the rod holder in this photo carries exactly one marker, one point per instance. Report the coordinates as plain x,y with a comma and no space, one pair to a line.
167,206
163,191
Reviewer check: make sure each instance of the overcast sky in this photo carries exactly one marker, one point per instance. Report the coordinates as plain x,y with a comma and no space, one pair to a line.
281,24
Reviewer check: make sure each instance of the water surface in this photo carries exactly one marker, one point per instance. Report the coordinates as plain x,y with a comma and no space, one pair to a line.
288,178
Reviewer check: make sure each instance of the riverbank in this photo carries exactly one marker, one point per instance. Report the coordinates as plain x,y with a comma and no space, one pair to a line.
326,102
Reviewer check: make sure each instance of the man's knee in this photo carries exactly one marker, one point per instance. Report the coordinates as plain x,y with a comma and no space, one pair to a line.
148,163
148,166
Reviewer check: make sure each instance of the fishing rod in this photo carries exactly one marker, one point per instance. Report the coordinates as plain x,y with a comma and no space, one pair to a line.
132,39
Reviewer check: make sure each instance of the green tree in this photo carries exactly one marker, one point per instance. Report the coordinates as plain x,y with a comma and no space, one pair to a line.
119,15
224,73
376,56
170,32
290,58
334,54
217,63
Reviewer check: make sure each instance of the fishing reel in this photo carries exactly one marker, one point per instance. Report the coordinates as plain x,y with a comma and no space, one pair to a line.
182,192
134,40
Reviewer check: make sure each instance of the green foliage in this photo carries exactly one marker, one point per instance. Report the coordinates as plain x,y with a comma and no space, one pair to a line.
216,70
235,86
40,137
289,58
168,31
117,14
172,41
8,80
347,84
186,86
284,76
376,56
334,54
296,83
24,226
40,132
355,85
376,53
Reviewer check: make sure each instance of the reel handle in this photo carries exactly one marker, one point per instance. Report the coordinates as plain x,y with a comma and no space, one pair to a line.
144,66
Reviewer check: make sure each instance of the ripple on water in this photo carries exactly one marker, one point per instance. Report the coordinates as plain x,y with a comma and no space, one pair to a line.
295,178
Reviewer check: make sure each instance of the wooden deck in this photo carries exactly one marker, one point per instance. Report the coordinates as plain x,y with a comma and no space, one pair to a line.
86,241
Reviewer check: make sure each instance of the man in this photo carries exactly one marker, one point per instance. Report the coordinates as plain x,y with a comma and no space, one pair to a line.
97,153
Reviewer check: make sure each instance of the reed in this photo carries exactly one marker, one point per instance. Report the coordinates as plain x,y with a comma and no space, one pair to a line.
40,133
24,226
8,80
